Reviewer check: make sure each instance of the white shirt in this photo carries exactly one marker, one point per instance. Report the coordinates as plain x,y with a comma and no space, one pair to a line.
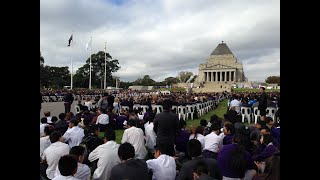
49,119
52,155
83,172
236,103
103,119
108,157
200,138
44,143
88,104
73,136
60,177
42,126
164,167
150,136
135,137
212,142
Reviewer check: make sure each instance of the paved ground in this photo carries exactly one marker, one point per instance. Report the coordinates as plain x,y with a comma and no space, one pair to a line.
55,108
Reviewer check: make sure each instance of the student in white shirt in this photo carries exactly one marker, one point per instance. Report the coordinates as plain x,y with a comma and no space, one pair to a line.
45,141
47,114
103,119
198,134
107,155
163,166
68,167
52,154
135,137
213,142
74,134
150,134
83,171
44,123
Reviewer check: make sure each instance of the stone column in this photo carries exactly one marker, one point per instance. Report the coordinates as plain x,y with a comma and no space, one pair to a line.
211,76
234,76
205,76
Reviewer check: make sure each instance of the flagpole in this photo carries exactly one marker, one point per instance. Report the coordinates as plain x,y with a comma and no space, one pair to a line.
90,62
105,65
71,72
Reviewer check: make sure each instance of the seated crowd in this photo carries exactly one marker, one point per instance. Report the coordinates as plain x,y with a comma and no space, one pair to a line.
158,145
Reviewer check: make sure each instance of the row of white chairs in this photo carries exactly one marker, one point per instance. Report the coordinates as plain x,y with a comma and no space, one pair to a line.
247,113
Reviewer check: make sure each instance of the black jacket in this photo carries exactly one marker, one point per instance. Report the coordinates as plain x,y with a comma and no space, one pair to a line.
166,126
263,100
134,169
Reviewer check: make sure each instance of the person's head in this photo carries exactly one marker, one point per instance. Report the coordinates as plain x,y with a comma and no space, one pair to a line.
199,130
109,135
73,122
269,120
62,116
272,167
126,151
203,122
44,120
47,113
94,129
264,130
54,119
55,136
151,117
105,95
160,148
228,128
215,126
260,124
194,148
182,124
131,122
86,121
266,139
48,130
102,111
78,151
68,165
237,162
262,89
214,118
200,168
167,104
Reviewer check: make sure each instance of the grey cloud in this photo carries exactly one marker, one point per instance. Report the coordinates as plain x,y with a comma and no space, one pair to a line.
161,38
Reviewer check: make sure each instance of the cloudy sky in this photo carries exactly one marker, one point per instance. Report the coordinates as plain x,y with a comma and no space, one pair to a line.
162,37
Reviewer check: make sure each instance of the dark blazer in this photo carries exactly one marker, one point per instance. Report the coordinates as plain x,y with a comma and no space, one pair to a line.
134,169
186,172
263,101
165,126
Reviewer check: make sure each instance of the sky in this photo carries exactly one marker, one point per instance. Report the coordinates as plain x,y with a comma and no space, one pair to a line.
161,38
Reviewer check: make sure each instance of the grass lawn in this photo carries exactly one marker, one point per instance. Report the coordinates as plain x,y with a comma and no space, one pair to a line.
220,111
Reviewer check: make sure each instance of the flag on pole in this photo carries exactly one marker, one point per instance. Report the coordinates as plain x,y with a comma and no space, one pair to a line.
89,43
70,39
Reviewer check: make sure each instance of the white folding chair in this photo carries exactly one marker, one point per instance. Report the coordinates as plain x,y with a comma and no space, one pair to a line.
246,113
271,111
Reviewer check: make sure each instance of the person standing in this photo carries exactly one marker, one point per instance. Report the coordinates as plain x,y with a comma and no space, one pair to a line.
68,100
166,125
263,99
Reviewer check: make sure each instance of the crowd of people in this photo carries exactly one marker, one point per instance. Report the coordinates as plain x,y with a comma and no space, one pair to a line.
159,145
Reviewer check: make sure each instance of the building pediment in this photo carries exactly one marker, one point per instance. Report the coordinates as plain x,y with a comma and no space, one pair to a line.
217,66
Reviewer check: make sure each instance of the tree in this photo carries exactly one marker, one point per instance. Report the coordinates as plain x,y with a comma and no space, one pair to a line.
170,80
273,80
145,81
125,85
81,78
184,76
